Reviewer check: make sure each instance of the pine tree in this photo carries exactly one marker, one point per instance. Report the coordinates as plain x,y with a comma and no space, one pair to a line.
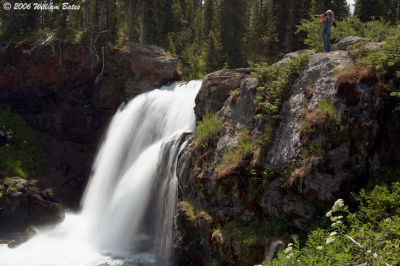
366,10
233,29
339,7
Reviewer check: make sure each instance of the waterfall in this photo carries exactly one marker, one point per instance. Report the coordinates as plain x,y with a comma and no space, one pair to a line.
128,206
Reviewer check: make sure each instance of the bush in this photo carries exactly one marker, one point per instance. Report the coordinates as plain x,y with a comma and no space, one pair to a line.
208,128
275,83
376,30
375,228
21,154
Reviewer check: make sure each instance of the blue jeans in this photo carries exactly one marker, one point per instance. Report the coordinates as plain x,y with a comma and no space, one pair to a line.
326,37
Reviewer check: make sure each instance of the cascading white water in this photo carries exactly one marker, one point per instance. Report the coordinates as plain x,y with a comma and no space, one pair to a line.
128,207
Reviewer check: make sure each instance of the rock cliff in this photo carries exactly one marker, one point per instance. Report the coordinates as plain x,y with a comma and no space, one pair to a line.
67,93
334,131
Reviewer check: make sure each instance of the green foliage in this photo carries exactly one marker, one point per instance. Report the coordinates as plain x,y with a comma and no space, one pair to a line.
235,156
386,65
375,226
189,210
248,237
275,82
208,128
382,202
21,154
234,93
376,30
328,109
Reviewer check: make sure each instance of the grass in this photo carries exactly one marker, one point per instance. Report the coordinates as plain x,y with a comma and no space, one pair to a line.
207,129
21,154
189,210
234,157
328,109
234,93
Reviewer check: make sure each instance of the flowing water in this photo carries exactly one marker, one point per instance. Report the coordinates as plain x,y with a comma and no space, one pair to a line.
128,206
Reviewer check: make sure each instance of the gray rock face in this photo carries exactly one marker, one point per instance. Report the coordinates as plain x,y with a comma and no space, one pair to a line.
319,77
150,68
216,88
348,41
332,134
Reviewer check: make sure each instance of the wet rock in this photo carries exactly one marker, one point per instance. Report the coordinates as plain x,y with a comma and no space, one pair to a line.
25,236
24,204
348,41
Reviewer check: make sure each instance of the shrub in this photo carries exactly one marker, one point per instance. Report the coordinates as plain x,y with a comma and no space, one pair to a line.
369,235
275,83
208,128
376,30
21,154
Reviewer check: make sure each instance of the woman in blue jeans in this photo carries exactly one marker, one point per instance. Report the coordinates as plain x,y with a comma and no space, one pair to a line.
327,20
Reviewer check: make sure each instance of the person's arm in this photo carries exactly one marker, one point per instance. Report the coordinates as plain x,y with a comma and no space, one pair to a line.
323,19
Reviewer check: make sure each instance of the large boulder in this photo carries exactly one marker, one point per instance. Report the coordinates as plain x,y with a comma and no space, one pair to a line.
216,88
25,203
348,41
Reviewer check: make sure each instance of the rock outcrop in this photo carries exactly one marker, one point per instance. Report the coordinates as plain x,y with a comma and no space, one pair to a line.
67,95
24,203
333,134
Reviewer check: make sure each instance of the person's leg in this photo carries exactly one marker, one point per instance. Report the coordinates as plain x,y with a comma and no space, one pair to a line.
324,39
328,42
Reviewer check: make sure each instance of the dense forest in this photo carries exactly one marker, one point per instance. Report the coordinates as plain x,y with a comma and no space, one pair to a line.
206,34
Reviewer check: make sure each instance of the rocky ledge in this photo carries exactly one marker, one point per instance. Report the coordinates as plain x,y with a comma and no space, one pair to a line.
335,131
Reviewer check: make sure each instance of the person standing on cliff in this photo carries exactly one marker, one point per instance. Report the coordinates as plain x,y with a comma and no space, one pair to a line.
327,20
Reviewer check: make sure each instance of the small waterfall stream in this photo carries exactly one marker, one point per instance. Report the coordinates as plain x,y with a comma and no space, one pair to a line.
128,206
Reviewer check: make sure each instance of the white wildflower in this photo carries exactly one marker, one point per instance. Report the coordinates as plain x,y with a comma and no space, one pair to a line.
333,234
320,247
288,256
336,224
338,205
329,214
329,240
388,220
288,249
336,218
290,245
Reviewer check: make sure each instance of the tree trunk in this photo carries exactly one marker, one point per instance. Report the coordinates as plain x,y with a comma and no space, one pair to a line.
130,20
143,25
